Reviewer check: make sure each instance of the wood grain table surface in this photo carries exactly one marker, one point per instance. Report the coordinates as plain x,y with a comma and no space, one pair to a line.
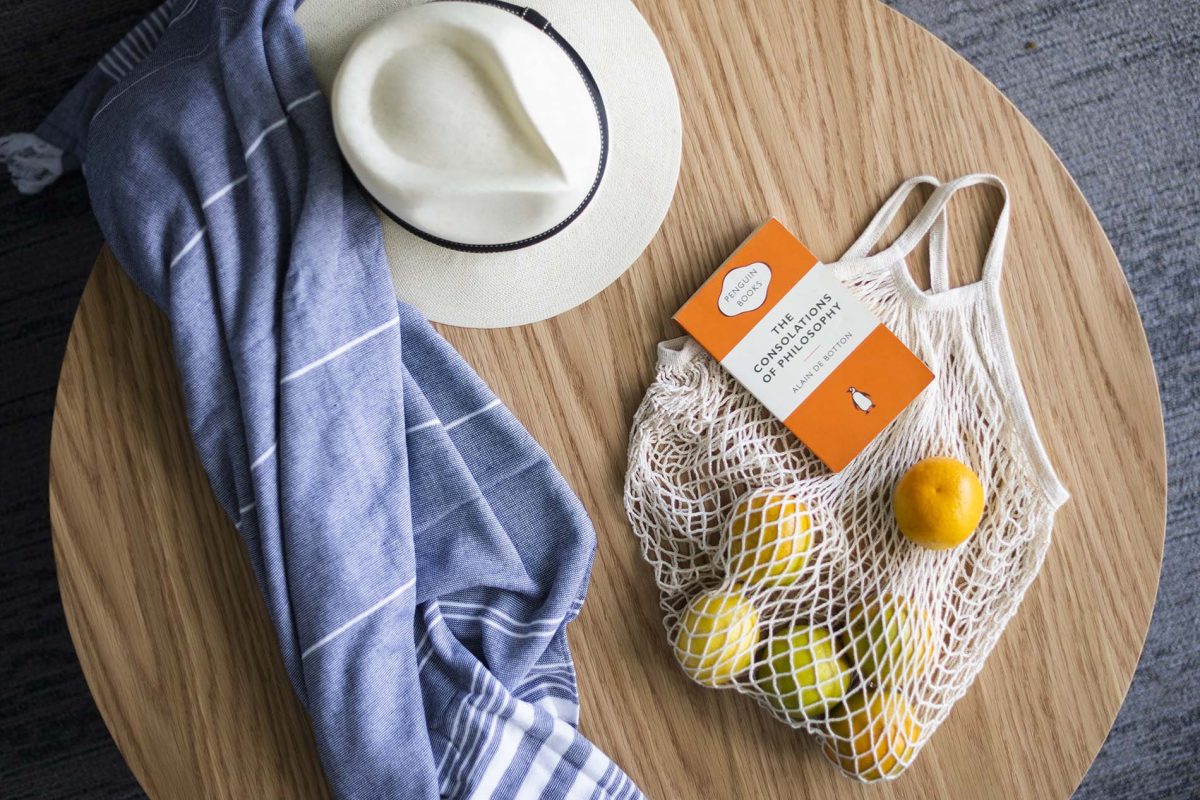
809,111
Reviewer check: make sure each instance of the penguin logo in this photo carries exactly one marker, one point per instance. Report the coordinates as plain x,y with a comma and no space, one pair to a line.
862,401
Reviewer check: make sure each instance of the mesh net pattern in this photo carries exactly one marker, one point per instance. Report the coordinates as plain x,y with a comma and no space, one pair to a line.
792,584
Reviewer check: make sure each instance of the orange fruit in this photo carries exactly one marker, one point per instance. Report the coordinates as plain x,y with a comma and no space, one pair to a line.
874,734
717,636
890,639
770,538
938,503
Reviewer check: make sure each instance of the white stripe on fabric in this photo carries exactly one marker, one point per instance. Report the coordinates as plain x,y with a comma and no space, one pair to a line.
336,632
350,345
610,782
433,614
136,44
454,424
456,774
259,139
302,100
125,48
242,518
113,66
536,689
157,22
433,617
424,651
554,623
466,764
541,680
545,682
496,713
129,49
497,612
561,672
108,70
602,792
258,462
511,736
560,708
509,633
145,41
627,788
541,669
187,248
187,10
452,742
546,760
119,60
433,423
279,122
224,190
586,780
425,645
532,684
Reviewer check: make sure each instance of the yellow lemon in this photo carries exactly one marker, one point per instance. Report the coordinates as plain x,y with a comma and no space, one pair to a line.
890,640
938,503
874,734
717,637
802,676
769,539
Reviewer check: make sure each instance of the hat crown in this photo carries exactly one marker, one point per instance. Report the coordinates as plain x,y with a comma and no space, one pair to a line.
468,123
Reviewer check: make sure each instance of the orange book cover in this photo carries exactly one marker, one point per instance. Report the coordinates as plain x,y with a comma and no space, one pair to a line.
802,343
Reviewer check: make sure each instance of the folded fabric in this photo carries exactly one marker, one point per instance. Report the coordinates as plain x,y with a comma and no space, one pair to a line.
419,555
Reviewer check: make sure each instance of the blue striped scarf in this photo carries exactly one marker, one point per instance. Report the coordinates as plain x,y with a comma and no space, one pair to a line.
419,555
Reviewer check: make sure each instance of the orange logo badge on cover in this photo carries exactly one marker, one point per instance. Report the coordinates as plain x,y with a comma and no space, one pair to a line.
804,345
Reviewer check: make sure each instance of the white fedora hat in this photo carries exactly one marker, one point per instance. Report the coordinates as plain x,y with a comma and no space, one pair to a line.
521,158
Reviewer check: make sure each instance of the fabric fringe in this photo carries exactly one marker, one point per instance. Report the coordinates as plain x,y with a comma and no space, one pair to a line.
33,163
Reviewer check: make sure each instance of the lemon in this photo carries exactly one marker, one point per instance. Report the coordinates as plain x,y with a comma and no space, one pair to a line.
890,640
874,734
770,538
717,636
802,676
938,503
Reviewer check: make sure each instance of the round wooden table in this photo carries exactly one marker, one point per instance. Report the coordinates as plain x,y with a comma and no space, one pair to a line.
812,112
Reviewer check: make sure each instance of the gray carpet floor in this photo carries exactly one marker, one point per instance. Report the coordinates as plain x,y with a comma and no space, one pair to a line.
1115,88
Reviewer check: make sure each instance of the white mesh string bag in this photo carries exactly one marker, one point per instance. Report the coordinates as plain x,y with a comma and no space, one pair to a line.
793,584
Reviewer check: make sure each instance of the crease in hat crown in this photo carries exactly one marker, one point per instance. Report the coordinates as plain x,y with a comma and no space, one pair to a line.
469,125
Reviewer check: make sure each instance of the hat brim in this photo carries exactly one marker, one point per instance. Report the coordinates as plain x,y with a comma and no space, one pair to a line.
496,290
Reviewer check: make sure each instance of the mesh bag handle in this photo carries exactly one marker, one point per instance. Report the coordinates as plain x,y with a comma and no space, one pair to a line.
933,218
